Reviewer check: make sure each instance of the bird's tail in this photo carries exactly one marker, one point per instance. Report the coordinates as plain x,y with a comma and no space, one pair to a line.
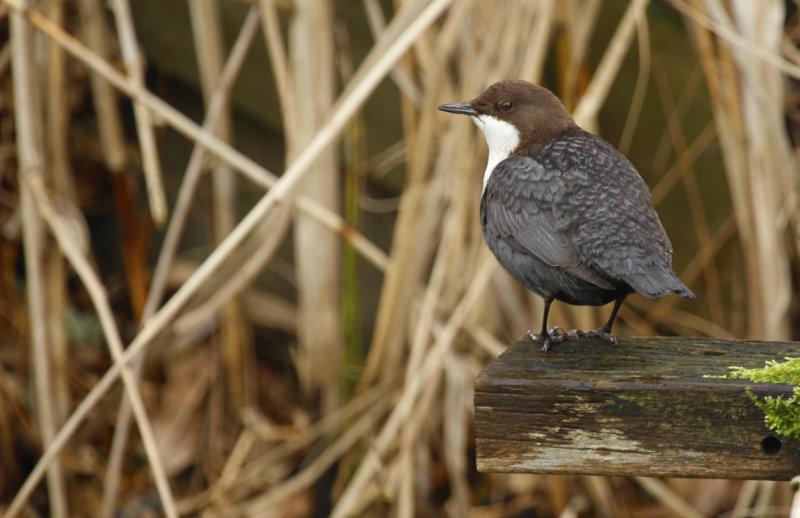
658,284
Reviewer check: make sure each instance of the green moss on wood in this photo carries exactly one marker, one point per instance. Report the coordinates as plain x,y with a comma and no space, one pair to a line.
684,407
782,415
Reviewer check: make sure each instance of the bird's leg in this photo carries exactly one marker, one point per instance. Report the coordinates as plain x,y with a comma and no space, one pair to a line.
555,335
605,331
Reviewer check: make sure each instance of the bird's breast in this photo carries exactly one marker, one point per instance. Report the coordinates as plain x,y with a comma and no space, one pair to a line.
502,138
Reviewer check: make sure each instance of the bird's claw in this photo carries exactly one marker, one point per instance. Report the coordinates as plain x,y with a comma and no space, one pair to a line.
544,339
557,334
600,333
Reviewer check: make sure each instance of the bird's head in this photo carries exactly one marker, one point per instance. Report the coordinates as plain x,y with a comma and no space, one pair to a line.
514,114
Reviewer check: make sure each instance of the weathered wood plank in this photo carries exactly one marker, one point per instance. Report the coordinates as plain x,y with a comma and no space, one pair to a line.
643,407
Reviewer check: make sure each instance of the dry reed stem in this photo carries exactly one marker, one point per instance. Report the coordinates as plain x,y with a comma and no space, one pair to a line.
59,441
317,253
280,69
144,123
711,276
254,172
32,161
349,503
57,133
411,458
518,309
403,471
109,124
171,240
486,340
448,36
209,45
689,157
356,94
671,500
116,456
80,263
728,123
404,82
597,91
306,477
457,415
744,499
576,506
420,207
689,93
276,221
763,503
233,338
237,473
770,160
642,80
725,31
602,496
684,324
795,511
747,110
535,53
194,168
516,26
400,280
430,301
708,250
405,494
581,21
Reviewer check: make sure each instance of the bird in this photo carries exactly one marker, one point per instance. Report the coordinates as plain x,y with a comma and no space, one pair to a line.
562,210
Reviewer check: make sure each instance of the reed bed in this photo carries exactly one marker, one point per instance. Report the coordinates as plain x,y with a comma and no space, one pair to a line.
238,399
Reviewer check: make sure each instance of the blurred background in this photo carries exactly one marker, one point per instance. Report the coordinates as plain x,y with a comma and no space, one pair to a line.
261,203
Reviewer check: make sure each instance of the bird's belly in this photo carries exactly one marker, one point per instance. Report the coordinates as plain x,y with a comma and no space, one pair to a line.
544,279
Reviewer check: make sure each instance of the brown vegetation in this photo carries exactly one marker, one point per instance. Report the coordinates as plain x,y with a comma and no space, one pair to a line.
242,398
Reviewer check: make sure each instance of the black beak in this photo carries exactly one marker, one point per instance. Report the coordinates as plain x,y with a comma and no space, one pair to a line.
463,108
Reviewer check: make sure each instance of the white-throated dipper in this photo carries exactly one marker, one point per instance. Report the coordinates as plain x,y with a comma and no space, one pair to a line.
564,212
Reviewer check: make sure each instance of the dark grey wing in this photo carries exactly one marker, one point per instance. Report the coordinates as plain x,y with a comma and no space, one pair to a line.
517,207
605,208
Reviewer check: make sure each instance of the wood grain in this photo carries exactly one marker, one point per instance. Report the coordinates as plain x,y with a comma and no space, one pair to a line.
644,407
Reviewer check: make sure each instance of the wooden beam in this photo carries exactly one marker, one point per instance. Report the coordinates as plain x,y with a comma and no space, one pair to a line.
644,407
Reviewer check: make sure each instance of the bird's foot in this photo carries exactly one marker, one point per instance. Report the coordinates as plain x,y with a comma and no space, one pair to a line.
559,334
597,333
543,339
556,335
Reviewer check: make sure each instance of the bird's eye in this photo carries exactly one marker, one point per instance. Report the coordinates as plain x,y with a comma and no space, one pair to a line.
506,106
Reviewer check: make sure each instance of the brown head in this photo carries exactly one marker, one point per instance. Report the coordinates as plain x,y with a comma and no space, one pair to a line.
514,115
534,111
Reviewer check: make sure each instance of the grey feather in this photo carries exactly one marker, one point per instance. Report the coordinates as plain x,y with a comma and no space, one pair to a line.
579,206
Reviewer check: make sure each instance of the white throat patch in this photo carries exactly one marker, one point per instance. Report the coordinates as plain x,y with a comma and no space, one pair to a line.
502,138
